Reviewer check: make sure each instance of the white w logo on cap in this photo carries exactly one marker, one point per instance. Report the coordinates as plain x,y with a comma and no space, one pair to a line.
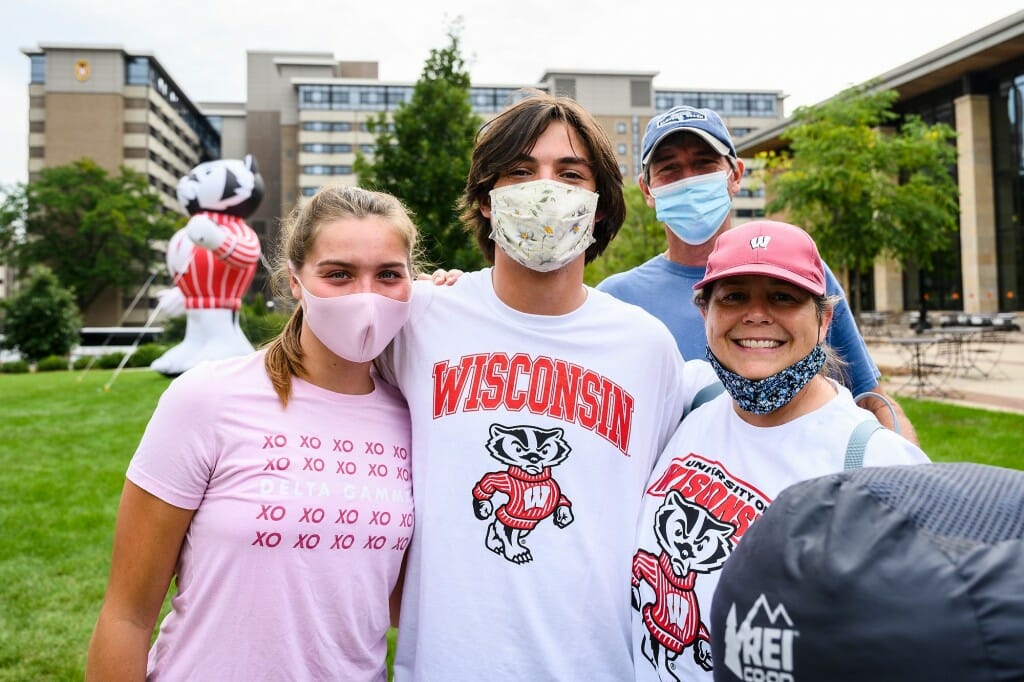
760,242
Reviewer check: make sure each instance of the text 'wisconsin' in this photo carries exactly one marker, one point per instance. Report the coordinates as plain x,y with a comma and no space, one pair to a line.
544,386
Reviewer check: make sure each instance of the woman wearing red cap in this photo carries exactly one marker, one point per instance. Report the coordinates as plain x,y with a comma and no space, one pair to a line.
783,418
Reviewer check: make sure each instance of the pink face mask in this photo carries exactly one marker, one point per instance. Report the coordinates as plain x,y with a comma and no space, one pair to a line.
356,327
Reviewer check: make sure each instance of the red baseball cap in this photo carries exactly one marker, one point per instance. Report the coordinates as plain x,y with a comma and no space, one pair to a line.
767,247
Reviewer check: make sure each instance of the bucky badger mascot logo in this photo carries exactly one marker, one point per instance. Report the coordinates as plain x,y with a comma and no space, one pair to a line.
533,495
213,260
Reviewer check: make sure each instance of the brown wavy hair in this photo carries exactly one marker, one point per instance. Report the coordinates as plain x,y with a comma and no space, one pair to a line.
299,232
500,144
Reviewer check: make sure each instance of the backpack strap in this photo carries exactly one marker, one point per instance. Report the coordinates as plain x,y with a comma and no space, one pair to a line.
885,400
706,394
858,442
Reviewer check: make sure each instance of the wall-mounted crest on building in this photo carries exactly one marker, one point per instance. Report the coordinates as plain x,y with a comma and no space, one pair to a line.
82,70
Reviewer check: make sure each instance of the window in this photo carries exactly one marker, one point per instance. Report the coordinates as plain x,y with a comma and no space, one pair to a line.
492,100
757,105
327,126
367,148
639,93
308,191
314,97
566,87
137,71
620,127
324,148
621,149
623,169
371,95
37,68
324,169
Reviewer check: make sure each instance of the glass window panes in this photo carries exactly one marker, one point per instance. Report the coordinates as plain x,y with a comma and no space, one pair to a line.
37,68
137,71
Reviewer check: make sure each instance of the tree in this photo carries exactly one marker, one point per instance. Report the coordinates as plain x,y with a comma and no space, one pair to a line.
640,238
42,318
93,229
865,183
424,157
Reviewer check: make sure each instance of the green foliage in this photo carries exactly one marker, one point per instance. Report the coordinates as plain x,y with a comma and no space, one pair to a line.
424,158
81,362
641,237
42,318
866,184
14,367
259,323
52,363
109,360
93,229
174,330
145,354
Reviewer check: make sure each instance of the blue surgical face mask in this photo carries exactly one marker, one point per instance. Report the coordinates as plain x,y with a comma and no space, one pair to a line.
694,208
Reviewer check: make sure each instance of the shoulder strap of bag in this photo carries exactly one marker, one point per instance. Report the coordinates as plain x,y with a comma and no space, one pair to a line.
858,443
886,401
706,394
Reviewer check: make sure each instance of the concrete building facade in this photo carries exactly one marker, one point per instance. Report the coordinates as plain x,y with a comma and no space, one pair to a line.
305,117
119,109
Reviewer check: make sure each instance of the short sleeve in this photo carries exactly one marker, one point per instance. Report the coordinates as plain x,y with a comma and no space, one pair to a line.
177,454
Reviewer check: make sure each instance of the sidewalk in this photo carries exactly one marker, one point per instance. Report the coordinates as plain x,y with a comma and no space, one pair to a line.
987,374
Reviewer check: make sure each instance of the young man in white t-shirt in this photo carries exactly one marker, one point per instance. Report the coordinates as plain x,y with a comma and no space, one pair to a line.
539,406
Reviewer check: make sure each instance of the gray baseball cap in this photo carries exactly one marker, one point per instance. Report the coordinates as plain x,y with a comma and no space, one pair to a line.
887,573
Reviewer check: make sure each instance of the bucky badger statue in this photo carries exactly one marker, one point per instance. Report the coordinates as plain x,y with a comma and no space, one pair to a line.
213,260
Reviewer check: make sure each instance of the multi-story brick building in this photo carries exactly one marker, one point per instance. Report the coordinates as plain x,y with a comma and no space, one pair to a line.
304,119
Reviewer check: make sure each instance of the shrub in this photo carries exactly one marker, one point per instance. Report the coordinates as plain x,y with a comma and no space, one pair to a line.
82,362
174,330
52,363
14,367
145,354
41,319
259,323
109,360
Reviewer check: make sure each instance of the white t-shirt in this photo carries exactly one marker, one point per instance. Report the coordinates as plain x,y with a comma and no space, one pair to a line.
715,478
302,517
534,437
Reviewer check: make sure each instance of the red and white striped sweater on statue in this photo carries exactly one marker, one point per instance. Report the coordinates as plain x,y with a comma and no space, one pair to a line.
219,278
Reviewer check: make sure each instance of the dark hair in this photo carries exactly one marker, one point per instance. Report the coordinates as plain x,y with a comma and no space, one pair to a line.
500,144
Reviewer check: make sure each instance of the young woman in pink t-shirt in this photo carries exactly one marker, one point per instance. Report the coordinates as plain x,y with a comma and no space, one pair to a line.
275,488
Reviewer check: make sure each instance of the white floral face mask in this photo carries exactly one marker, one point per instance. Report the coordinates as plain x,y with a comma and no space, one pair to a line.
543,224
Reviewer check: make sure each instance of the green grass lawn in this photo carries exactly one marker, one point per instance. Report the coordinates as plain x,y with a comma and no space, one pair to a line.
65,444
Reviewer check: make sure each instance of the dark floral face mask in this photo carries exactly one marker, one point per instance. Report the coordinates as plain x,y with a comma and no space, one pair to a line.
763,396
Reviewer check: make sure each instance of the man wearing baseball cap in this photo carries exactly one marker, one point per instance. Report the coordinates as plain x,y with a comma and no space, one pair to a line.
690,172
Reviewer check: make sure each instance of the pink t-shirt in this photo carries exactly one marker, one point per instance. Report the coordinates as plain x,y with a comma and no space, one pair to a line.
302,518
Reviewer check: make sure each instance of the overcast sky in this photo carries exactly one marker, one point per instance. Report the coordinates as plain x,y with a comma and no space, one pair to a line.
807,49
